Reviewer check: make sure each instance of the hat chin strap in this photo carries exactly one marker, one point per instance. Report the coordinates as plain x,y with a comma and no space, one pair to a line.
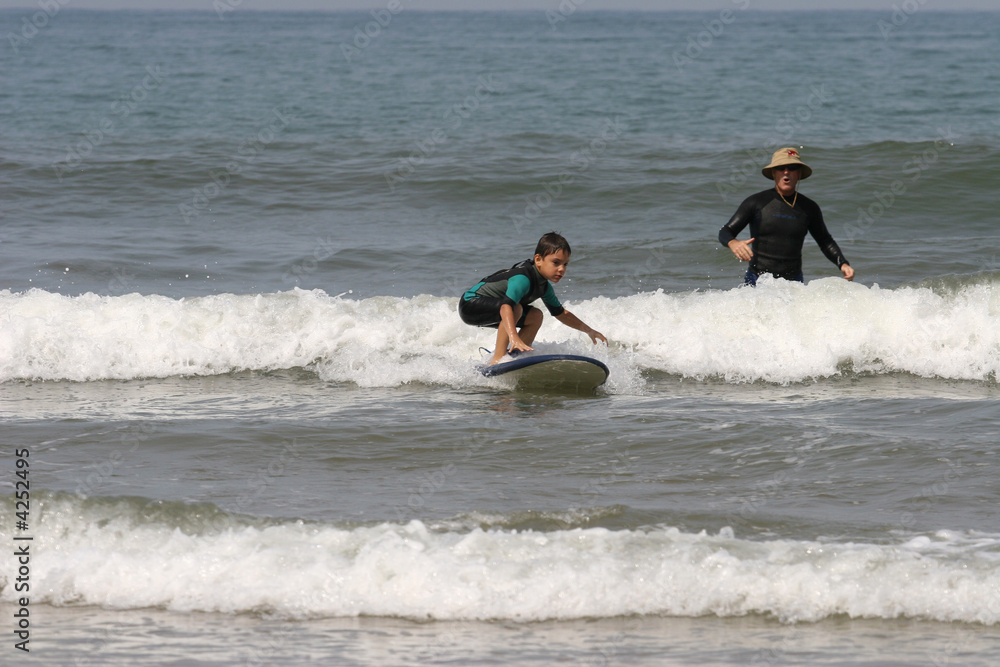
794,199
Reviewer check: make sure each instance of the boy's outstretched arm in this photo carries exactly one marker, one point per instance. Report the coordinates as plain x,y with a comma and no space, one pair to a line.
574,322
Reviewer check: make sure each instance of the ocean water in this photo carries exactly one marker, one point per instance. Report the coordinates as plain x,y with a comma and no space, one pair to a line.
245,419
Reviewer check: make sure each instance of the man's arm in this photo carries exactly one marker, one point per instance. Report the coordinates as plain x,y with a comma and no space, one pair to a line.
727,235
823,238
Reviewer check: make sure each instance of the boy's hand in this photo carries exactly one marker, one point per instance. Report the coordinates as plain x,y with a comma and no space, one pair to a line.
595,336
517,344
571,320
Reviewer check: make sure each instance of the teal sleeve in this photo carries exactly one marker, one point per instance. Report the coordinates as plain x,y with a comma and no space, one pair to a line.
517,288
551,302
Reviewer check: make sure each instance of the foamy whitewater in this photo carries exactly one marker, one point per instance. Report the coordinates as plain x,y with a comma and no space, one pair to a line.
785,332
127,554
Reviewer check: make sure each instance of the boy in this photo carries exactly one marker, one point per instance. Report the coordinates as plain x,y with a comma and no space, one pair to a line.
501,300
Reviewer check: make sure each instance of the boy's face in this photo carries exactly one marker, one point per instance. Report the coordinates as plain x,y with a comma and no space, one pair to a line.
552,266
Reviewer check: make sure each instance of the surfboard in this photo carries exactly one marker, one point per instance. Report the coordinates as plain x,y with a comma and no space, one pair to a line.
552,372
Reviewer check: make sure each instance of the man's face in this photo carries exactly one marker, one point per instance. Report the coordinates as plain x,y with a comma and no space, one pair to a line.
786,177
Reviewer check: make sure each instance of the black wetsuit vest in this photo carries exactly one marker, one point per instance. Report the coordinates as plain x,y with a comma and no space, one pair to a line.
495,285
778,231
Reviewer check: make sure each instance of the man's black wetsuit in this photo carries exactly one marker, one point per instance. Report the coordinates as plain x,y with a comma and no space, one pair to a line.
520,284
778,231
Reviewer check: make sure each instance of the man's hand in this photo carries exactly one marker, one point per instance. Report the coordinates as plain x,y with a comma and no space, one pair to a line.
742,249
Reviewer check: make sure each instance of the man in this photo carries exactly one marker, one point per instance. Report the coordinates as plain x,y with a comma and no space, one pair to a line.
779,219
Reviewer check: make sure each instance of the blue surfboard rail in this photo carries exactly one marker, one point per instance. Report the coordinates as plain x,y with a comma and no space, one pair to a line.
523,361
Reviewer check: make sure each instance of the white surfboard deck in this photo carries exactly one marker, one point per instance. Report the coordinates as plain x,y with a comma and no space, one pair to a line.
551,372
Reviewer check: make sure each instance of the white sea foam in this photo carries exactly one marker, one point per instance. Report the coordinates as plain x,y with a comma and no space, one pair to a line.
113,554
785,332
779,332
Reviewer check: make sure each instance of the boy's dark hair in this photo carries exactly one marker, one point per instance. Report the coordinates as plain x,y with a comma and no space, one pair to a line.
552,243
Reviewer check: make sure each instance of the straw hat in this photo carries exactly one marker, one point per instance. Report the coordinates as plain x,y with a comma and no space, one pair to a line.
786,156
